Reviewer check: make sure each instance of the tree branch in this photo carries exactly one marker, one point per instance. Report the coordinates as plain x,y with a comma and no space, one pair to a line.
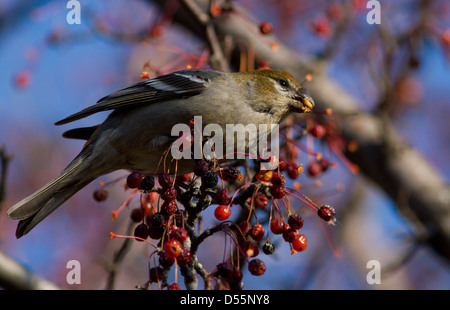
14,276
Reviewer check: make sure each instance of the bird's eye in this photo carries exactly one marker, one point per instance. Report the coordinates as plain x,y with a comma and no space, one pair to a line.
283,83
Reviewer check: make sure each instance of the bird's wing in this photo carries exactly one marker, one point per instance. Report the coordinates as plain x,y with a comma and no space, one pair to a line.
176,85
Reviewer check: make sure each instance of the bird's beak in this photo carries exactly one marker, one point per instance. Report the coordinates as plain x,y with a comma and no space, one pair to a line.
307,103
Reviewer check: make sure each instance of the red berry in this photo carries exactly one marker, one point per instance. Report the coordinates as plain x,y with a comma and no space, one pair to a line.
245,227
169,207
184,177
278,179
222,196
278,192
141,231
165,180
261,200
184,258
201,168
292,172
136,215
266,28
299,243
257,232
289,234
156,274
251,249
173,248
256,267
318,131
174,287
100,195
165,260
283,165
180,233
231,174
326,212
169,193
324,164
134,180
277,226
314,169
229,272
322,26
23,78
222,212
295,221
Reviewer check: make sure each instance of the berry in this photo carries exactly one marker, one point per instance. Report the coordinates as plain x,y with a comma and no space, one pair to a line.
184,178
174,287
165,180
201,168
299,243
256,267
251,249
210,179
324,164
158,220
229,272
289,234
278,179
222,212
278,192
141,231
314,169
266,28
231,174
169,207
180,233
134,180
173,248
222,196
318,131
295,221
184,258
283,165
257,232
100,195
326,213
292,172
268,248
23,78
147,183
165,260
156,274
277,226
261,200
155,232
245,227
169,193
136,215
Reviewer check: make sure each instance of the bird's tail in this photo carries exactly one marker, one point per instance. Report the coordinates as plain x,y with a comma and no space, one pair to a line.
33,209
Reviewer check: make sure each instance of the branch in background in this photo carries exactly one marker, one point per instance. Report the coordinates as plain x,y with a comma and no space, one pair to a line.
4,161
14,276
382,155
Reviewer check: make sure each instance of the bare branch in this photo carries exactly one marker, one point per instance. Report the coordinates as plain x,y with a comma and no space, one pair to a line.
16,277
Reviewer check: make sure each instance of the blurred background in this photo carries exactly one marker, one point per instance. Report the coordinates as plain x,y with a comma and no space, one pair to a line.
51,69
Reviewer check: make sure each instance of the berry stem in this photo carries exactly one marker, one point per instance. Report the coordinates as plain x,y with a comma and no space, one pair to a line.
125,204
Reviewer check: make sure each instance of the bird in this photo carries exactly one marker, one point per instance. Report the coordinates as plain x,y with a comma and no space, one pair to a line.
137,132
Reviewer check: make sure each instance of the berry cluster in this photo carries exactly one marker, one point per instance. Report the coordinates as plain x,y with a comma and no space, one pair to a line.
171,206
